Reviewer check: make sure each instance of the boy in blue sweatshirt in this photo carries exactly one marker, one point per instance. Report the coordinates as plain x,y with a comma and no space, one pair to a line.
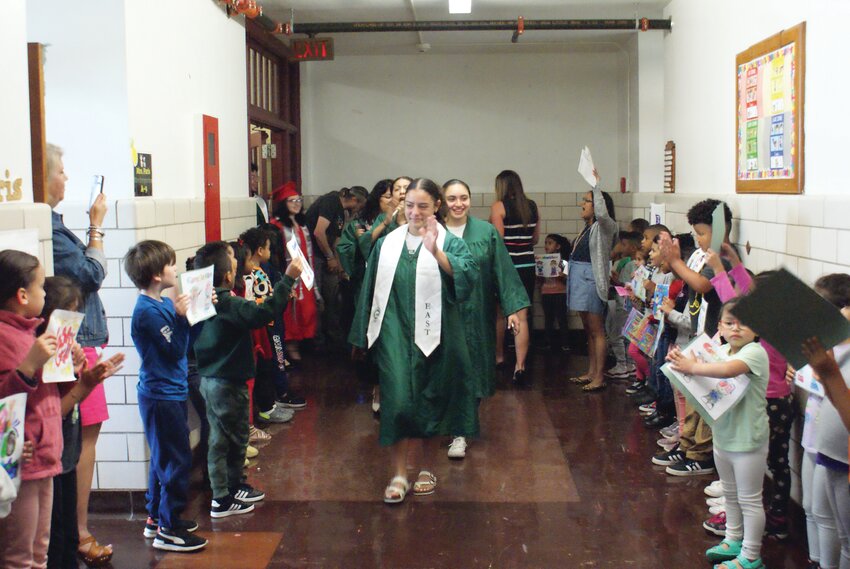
160,332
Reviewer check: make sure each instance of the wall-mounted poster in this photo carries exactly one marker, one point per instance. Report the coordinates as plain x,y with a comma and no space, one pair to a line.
143,176
769,117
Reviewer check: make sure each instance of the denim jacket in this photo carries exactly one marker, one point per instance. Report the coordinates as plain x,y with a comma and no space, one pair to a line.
87,268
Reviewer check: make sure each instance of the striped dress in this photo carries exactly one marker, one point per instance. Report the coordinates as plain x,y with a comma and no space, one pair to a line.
519,239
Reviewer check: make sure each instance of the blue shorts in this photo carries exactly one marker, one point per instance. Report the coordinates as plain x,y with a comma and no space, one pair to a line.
581,289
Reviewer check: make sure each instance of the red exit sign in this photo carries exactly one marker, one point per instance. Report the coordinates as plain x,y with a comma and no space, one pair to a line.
312,49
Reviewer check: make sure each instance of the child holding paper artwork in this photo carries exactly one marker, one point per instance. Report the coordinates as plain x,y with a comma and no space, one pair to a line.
553,294
740,441
160,333
623,268
25,532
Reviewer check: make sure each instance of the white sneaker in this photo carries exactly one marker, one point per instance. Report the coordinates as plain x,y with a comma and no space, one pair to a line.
715,489
721,501
619,371
458,448
714,510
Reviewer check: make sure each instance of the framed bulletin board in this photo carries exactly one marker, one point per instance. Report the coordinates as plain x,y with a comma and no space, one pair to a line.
769,144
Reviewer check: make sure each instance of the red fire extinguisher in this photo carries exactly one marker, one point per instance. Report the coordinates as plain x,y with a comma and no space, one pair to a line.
622,185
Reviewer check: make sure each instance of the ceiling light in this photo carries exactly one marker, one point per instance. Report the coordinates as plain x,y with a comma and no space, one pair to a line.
460,6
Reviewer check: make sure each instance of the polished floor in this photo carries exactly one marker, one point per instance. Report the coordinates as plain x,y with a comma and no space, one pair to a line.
559,479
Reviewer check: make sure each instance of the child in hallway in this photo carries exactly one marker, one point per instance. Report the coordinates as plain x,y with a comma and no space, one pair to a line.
553,295
622,271
740,441
160,333
224,351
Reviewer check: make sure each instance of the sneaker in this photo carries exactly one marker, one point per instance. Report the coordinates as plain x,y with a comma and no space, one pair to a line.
715,489
670,431
776,526
291,401
691,468
619,371
667,444
248,494
642,397
716,525
251,452
229,506
178,540
152,525
635,387
721,501
458,448
669,458
714,510
647,408
278,414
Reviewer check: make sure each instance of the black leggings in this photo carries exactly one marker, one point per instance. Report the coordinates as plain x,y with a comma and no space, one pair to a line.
780,413
555,310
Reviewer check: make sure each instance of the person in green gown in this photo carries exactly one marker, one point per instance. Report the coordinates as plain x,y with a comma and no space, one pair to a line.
497,281
409,317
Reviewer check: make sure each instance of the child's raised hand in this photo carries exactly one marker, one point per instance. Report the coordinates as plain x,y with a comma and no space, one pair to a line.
669,248
294,268
729,252
181,305
42,350
27,451
822,362
712,259
105,368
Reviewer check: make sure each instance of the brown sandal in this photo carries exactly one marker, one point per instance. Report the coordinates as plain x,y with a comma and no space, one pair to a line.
93,553
580,380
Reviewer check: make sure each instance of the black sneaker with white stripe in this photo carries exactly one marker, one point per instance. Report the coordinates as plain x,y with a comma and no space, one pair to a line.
152,525
691,468
248,494
178,540
669,458
229,506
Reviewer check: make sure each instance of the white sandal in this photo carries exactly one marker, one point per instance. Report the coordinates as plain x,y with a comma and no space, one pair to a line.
396,490
425,487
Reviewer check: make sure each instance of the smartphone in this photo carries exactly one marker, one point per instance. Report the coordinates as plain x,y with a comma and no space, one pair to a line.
96,189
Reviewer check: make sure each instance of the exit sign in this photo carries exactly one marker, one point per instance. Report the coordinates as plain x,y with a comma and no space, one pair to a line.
312,49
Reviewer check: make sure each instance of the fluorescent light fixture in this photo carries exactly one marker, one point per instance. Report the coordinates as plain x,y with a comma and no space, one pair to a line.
460,6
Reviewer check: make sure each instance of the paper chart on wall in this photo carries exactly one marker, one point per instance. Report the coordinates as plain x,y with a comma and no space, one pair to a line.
657,213
12,409
711,397
586,167
25,240
294,249
64,324
198,284
547,265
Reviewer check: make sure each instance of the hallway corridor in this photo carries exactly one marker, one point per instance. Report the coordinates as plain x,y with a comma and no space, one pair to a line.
559,479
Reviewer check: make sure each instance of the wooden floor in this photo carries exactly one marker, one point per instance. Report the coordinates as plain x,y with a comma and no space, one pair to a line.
558,479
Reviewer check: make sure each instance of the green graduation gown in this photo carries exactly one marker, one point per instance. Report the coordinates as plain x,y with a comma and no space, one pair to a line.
497,280
350,258
421,397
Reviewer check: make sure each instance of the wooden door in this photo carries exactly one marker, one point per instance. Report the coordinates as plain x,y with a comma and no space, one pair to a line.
212,189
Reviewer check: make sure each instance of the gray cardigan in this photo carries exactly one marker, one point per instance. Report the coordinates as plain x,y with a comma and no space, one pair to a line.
602,234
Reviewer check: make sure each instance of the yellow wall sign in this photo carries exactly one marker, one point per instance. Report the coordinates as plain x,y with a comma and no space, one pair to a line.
11,190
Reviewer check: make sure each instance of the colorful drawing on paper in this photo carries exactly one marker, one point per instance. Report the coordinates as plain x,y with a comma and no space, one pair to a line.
767,147
65,325
805,379
662,291
12,410
712,397
643,333
198,284
641,274
548,265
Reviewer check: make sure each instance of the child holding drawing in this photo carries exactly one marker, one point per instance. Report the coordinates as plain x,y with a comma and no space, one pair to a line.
160,332
740,441
553,294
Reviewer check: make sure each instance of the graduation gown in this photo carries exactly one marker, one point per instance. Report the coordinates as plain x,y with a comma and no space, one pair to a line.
497,280
421,397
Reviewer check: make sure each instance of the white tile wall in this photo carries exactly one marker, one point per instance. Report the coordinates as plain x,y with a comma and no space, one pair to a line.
15,215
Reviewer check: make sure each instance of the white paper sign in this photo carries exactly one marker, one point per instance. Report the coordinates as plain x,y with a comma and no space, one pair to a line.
657,213
65,325
306,270
198,285
805,378
712,396
641,274
547,265
585,167
12,410
25,240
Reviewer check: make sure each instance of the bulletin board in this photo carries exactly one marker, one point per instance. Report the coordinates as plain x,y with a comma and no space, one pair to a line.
769,84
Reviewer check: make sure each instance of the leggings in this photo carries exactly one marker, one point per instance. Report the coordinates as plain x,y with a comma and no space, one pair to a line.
820,525
742,477
838,500
780,412
641,365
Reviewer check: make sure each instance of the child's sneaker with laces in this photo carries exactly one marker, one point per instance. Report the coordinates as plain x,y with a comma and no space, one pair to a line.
178,540
647,408
229,506
715,489
670,430
720,501
691,468
776,526
278,414
634,387
248,494
714,510
292,401
152,525
668,458
716,525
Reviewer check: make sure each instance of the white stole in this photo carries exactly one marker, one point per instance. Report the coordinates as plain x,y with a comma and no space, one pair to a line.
428,303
